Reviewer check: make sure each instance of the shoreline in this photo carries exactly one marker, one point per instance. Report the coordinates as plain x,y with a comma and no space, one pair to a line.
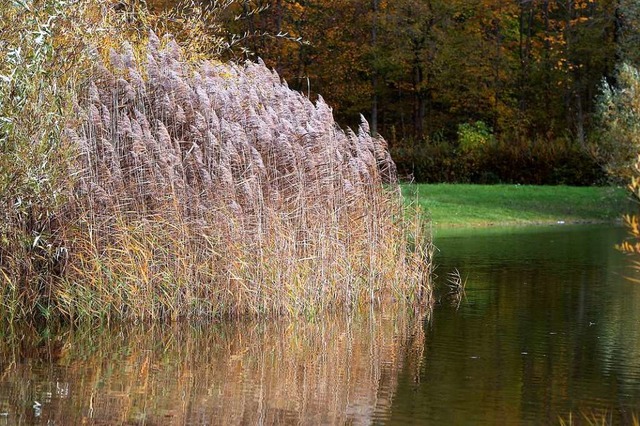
482,206
524,224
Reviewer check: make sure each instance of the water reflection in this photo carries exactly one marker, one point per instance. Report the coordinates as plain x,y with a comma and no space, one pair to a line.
339,370
548,326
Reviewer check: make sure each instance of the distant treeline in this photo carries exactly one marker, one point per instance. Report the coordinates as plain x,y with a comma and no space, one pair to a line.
522,76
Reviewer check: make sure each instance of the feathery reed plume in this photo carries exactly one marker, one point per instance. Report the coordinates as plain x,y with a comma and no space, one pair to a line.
242,197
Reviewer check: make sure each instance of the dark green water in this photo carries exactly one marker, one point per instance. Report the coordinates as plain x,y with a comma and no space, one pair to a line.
549,327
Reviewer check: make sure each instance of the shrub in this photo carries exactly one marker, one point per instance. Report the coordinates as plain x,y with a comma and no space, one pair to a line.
539,162
474,136
35,164
616,143
428,161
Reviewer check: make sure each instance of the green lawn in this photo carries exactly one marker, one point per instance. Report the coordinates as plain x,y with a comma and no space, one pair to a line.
450,205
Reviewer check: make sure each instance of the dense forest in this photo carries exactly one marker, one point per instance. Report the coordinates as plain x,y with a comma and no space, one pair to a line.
463,90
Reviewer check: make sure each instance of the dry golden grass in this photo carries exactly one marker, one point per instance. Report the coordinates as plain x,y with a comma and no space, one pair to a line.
219,191
199,189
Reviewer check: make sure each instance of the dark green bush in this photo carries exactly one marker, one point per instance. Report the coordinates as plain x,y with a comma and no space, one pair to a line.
558,162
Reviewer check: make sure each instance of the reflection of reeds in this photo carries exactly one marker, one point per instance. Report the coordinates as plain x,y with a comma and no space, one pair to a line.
593,418
334,371
456,286
219,191
455,283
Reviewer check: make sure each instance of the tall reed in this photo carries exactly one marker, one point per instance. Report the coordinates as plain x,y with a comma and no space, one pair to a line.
196,188
216,190
36,87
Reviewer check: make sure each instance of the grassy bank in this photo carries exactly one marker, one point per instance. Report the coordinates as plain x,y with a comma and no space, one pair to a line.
486,205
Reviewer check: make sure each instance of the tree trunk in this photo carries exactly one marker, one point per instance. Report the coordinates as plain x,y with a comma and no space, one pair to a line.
374,74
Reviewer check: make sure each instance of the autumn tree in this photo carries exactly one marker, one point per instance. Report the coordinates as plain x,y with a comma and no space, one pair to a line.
529,70
627,34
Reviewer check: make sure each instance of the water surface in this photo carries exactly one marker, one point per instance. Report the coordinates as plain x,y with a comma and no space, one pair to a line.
332,371
549,326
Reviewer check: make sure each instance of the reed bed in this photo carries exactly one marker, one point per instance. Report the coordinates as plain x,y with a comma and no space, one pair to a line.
195,188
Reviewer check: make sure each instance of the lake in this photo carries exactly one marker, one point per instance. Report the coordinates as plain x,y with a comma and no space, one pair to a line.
549,326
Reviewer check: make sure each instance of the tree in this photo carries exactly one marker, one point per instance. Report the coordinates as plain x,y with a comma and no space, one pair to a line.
530,69
627,35
618,139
